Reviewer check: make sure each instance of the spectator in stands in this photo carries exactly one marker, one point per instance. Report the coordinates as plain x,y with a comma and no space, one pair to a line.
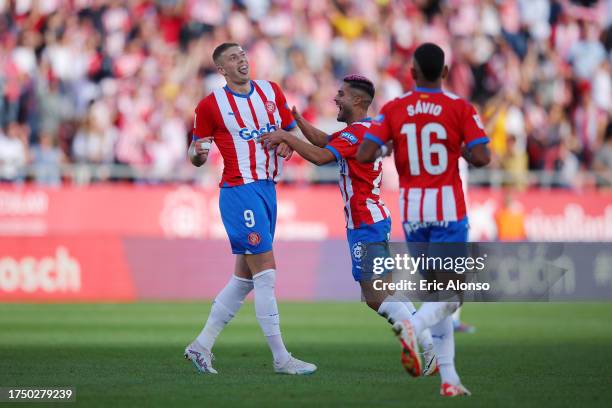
510,220
602,164
94,142
47,159
587,53
97,75
13,152
514,162
562,166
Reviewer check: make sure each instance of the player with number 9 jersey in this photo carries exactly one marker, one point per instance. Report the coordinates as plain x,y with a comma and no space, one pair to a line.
236,122
235,117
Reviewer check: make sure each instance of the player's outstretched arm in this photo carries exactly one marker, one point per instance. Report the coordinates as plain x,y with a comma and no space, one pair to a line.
369,151
312,153
477,156
314,135
198,151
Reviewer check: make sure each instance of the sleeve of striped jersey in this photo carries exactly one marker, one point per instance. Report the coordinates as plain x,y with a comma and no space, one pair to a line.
287,121
342,147
473,132
203,121
380,131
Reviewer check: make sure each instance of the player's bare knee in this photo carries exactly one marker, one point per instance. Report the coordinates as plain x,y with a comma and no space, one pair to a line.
242,269
260,262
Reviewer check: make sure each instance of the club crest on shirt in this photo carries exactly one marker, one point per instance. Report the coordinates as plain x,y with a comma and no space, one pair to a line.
357,251
254,238
270,107
349,137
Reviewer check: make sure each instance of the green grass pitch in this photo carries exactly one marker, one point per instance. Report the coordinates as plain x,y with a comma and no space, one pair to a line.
131,355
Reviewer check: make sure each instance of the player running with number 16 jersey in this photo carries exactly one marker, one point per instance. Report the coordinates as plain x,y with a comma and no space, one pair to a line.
430,130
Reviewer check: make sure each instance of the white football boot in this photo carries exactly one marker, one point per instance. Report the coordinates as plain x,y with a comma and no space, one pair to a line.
430,363
293,366
200,357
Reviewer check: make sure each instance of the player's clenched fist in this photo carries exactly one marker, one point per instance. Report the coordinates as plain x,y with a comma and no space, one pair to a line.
273,139
198,151
203,146
284,151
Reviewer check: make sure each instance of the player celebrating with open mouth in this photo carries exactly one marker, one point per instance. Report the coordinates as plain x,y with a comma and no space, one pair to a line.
368,220
430,130
234,118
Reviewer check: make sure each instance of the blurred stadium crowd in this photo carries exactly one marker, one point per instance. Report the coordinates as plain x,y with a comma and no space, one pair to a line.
115,82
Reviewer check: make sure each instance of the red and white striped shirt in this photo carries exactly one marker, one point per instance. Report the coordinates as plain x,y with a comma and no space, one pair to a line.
236,122
359,182
428,128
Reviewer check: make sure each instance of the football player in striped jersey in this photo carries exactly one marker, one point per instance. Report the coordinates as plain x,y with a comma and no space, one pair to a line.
234,118
430,129
368,221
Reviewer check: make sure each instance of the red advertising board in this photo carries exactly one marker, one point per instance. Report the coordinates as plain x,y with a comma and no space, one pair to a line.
64,269
310,213
157,211
127,242
548,215
70,269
